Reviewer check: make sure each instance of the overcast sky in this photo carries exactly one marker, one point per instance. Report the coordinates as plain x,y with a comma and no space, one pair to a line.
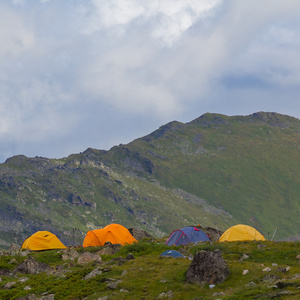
76,74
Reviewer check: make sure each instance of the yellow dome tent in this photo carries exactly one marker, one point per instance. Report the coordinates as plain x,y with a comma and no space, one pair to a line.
241,233
114,233
43,240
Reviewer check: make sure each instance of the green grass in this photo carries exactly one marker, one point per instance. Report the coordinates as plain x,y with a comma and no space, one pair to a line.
6,264
148,275
50,257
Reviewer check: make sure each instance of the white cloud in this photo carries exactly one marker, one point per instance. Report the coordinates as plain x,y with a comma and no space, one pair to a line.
15,35
33,112
248,41
18,2
265,47
138,75
67,62
169,18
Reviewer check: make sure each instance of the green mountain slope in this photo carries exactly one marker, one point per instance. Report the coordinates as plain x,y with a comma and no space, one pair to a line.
214,171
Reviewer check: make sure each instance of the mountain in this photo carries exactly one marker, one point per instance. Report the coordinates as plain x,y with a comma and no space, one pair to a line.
215,171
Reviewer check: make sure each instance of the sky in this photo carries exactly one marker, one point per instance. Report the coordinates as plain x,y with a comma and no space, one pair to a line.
76,74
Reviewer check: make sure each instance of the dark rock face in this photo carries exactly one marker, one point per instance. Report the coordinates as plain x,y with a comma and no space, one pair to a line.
78,201
139,234
213,234
115,247
164,130
208,267
118,260
5,273
30,266
129,256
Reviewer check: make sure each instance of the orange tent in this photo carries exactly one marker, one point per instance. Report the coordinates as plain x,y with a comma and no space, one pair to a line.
241,232
114,233
42,240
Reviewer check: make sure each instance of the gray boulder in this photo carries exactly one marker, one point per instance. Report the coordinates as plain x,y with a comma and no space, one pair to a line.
139,234
87,257
117,260
208,267
109,249
31,266
92,274
8,285
113,285
69,254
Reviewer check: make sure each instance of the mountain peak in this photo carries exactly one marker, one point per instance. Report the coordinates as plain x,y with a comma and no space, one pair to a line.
271,118
209,119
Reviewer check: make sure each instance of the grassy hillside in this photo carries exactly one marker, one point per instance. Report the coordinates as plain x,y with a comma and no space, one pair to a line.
78,195
215,171
248,166
149,276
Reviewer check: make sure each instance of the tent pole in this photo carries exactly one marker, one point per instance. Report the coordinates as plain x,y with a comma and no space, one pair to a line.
274,233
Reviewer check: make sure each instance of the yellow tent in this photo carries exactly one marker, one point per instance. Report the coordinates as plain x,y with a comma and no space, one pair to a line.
43,240
241,233
114,233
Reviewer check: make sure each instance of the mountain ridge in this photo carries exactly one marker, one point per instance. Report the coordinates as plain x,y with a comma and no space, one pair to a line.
216,170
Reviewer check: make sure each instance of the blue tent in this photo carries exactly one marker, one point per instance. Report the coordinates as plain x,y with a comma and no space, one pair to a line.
171,253
186,236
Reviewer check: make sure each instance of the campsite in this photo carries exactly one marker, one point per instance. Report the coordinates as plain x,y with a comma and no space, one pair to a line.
150,268
149,150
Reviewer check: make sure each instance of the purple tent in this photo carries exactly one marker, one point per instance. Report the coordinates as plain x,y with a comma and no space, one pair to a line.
186,236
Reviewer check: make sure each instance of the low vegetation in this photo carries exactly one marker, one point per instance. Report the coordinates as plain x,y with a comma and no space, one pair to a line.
273,272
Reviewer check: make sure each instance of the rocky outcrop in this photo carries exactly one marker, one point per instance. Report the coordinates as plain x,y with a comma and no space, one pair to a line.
92,274
87,257
272,119
31,266
213,233
211,120
109,249
78,201
208,267
139,234
69,254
